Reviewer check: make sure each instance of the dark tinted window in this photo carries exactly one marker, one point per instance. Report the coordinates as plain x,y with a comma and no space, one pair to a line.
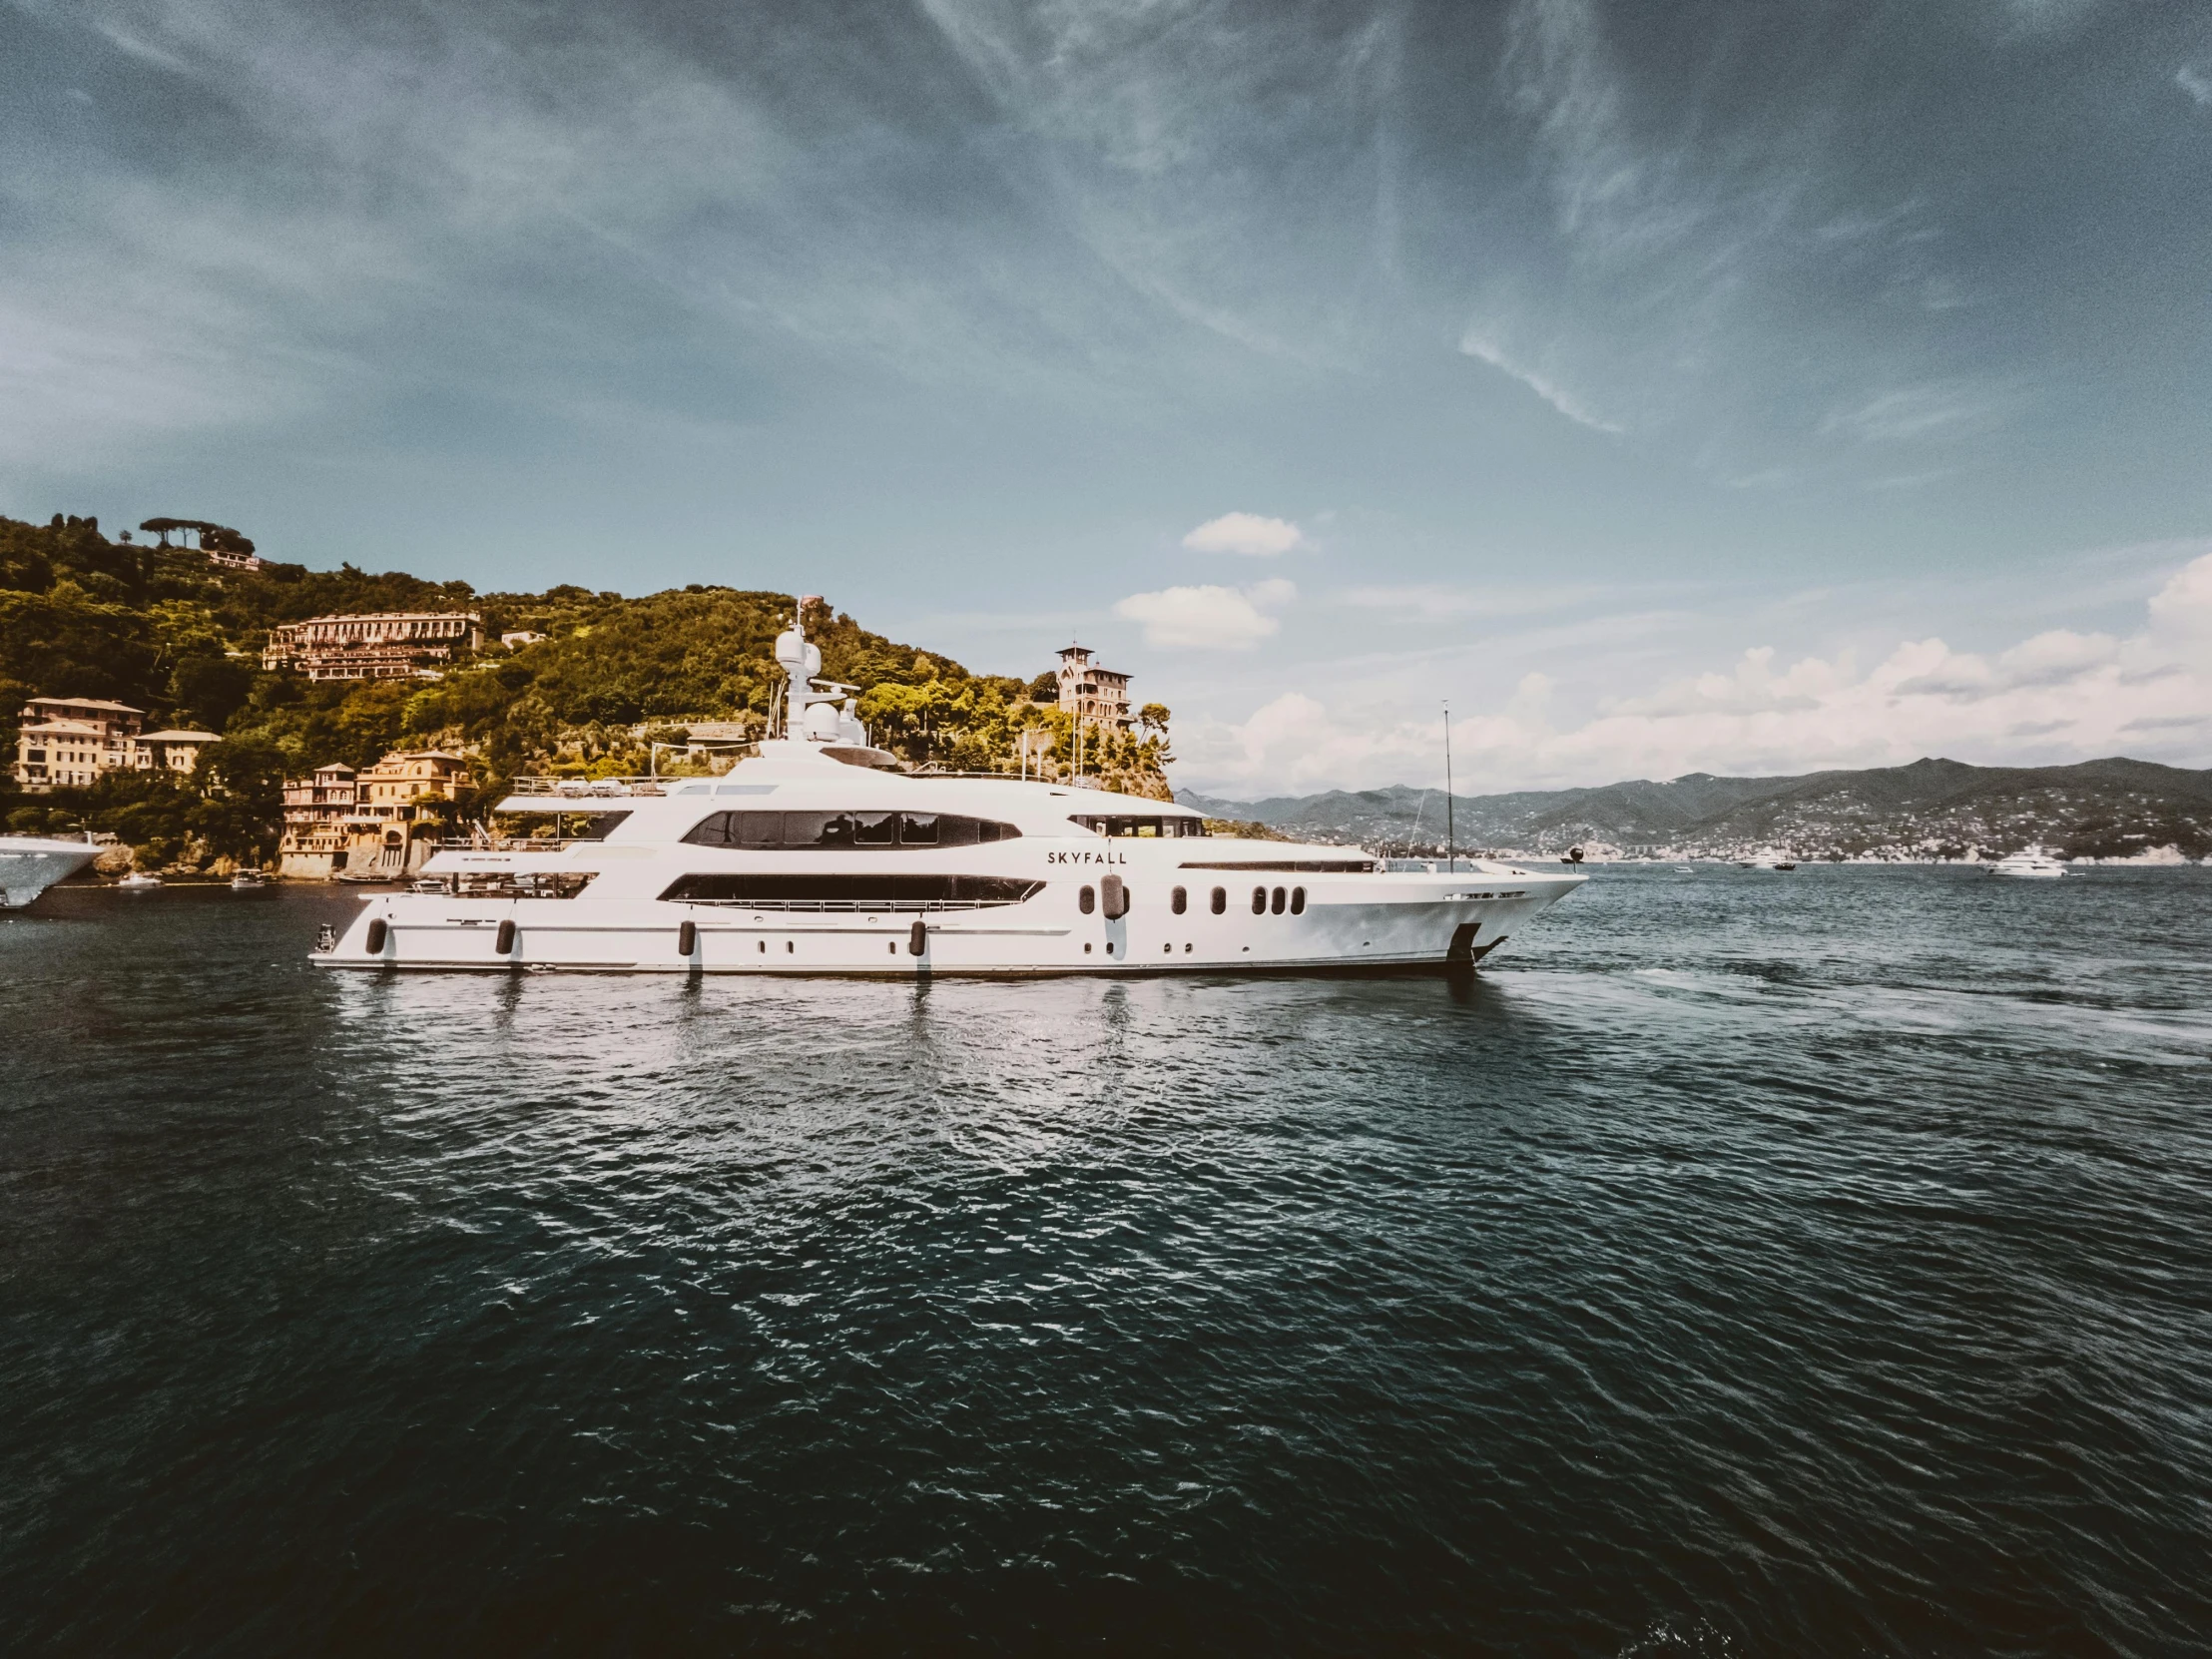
1086,900
1221,899
1259,902
1179,901
1298,902
855,890
593,828
711,831
1278,901
817,829
1142,825
876,831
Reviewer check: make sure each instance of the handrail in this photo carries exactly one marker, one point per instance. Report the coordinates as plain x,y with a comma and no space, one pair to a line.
592,789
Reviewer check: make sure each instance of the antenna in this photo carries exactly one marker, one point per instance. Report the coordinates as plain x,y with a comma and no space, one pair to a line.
1451,844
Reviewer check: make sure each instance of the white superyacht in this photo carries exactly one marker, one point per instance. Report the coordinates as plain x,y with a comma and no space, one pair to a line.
29,864
814,856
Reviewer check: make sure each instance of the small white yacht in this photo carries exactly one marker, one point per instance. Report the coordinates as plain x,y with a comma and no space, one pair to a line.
2031,863
139,882
29,864
815,856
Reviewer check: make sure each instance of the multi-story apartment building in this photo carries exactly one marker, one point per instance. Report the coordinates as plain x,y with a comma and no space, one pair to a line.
1091,693
386,645
380,822
68,742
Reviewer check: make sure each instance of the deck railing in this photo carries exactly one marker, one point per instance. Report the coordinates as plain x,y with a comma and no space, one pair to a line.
595,788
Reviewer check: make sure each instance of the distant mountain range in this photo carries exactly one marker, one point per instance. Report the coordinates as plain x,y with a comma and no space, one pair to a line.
2114,809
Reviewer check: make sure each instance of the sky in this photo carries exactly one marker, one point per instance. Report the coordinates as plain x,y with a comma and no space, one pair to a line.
1665,388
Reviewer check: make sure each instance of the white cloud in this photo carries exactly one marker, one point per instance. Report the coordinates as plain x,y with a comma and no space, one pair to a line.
1246,533
2057,697
1475,346
1229,619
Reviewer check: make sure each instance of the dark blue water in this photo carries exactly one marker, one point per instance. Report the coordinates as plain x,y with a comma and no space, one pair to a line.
1743,1265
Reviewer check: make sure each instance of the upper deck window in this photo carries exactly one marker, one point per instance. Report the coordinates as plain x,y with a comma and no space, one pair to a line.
1143,827
842,831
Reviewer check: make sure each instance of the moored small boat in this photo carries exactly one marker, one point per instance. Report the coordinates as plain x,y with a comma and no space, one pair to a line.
248,881
139,882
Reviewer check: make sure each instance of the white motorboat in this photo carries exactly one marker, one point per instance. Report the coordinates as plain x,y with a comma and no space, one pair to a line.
814,856
248,881
139,882
29,864
2032,863
1766,860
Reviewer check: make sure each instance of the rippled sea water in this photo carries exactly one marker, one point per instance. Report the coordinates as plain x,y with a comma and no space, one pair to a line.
1742,1264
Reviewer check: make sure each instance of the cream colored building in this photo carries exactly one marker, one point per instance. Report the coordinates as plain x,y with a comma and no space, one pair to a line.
174,751
68,743
380,822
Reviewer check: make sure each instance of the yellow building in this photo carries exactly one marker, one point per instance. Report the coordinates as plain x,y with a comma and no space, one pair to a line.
381,823
67,743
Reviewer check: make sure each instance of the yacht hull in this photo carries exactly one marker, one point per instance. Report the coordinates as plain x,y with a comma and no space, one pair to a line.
29,864
1393,921
798,863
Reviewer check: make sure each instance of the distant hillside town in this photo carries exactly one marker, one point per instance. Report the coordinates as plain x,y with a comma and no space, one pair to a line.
1930,812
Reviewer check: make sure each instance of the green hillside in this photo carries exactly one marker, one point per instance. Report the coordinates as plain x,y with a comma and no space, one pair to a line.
167,631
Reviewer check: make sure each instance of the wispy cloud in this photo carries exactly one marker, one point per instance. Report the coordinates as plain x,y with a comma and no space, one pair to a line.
1477,346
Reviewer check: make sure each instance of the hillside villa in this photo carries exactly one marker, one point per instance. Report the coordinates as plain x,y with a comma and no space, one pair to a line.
382,644
385,821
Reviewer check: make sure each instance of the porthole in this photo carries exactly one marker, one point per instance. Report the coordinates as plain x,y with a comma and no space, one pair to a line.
1179,901
1298,902
1276,906
1221,899
1087,901
1259,902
